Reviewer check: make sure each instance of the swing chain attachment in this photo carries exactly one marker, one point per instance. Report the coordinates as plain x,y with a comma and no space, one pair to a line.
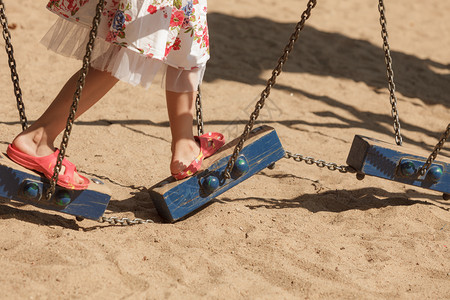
76,99
12,66
124,221
320,163
390,73
436,151
199,111
270,83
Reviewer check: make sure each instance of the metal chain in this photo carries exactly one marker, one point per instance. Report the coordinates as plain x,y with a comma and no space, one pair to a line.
389,73
436,151
199,111
123,221
76,99
271,82
320,163
12,66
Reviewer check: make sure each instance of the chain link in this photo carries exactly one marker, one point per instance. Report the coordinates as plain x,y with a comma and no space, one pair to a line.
389,73
124,221
12,66
199,111
76,99
270,83
436,151
320,163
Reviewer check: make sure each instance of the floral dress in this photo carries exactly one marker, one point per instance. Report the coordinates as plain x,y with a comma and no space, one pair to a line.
141,34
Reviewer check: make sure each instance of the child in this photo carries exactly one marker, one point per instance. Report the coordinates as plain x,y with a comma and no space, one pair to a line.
136,38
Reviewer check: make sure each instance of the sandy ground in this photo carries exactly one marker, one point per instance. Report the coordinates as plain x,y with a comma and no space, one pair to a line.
297,231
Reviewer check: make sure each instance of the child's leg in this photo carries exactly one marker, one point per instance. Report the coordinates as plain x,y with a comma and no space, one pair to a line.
181,115
181,87
38,139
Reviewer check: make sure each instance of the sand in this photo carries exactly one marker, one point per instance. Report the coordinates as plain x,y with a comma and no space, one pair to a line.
294,232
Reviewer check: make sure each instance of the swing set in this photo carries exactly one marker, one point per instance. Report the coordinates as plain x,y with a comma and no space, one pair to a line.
256,149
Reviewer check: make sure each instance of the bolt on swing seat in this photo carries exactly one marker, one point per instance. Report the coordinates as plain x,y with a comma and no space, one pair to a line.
376,158
23,185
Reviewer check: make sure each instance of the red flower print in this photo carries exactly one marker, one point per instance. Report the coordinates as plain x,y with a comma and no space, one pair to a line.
177,18
52,3
71,5
167,51
177,44
198,38
152,9
206,36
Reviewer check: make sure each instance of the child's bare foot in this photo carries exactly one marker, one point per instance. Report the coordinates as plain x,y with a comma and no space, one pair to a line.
35,144
183,153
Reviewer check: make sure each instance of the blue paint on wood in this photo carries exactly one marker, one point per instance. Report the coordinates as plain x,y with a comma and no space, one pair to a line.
175,200
376,158
28,188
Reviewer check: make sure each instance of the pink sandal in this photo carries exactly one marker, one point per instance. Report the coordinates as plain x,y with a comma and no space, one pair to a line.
46,166
209,144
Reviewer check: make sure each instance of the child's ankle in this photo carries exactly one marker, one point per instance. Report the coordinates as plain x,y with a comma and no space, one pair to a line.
33,143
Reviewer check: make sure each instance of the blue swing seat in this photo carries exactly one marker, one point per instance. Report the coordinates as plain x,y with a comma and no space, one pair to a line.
177,199
376,158
22,185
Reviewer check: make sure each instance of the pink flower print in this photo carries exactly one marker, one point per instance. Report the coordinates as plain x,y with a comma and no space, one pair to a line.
111,36
177,18
152,9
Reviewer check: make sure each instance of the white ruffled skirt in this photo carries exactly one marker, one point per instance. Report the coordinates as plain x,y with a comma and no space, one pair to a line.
130,61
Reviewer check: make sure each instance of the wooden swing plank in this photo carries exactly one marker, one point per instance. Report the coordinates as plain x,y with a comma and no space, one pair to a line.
377,158
176,199
23,185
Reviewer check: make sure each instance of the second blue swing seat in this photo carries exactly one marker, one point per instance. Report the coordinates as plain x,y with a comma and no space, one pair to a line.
377,158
